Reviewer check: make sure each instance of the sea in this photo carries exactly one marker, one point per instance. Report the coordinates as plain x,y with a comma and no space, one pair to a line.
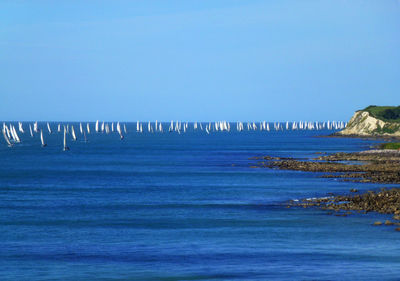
188,206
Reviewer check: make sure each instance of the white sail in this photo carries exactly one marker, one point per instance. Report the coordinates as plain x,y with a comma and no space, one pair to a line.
42,139
119,131
6,137
20,127
30,130
97,126
35,127
88,128
102,127
73,133
112,127
65,147
48,127
80,128
137,126
15,135
125,129
58,128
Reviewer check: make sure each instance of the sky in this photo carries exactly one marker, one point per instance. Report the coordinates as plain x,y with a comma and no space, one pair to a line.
197,60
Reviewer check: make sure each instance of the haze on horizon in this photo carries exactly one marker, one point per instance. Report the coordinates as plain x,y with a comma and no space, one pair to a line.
197,60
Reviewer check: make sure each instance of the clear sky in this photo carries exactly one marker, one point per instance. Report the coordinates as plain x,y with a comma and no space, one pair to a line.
273,60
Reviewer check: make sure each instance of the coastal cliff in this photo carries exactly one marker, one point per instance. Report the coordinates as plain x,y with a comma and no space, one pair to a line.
374,121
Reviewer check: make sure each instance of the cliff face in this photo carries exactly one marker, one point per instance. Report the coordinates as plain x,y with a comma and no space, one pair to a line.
364,124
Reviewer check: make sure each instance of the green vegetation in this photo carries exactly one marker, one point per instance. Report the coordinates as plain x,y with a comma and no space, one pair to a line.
390,145
385,113
389,128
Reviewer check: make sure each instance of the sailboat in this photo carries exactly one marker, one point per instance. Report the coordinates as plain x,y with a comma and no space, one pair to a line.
80,128
20,127
30,130
48,127
59,128
88,128
97,126
73,133
125,128
14,134
6,138
42,139
65,140
119,131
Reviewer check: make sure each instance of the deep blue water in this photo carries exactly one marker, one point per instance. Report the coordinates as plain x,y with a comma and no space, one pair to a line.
181,207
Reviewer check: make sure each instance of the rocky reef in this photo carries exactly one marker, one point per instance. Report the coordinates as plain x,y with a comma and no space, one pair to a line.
385,201
376,166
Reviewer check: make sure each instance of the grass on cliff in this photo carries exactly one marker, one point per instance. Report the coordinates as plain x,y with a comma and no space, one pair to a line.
385,113
390,145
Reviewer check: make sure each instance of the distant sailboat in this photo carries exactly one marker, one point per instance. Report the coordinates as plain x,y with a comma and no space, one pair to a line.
20,127
48,127
97,126
6,138
81,128
14,134
88,128
73,133
59,128
65,140
30,130
125,131
119,131
42,139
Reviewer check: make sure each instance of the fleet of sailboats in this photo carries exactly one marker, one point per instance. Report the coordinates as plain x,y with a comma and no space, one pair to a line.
11,136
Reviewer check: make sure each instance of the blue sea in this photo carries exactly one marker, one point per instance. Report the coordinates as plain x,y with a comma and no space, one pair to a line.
183,206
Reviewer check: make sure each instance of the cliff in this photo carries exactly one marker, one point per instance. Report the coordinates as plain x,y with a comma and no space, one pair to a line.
374,121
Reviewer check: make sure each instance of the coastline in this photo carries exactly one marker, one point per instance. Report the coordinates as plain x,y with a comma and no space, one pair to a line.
370,166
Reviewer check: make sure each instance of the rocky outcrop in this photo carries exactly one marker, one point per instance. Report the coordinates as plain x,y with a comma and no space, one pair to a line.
364,124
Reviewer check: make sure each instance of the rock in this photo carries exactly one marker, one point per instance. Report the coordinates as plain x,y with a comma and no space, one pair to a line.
396,217
388,222
377,223
397,229
353,190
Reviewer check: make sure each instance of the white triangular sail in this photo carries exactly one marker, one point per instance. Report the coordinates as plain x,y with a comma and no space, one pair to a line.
20,127
42,139
48,127
65,147
73,133
30,130
6,137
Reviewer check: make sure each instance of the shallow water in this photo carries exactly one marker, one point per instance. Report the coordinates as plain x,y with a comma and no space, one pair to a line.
181,207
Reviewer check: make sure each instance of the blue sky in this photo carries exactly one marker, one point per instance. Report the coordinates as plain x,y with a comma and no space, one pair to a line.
194,60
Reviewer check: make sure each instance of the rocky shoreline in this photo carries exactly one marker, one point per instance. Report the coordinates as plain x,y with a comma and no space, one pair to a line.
385,201
373,166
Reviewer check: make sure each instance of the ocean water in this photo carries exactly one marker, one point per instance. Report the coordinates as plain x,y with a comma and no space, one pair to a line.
181,207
